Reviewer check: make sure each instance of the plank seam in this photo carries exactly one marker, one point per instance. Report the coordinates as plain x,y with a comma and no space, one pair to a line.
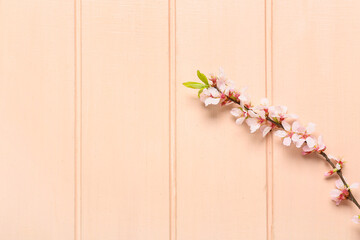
78,120
268,6
172,120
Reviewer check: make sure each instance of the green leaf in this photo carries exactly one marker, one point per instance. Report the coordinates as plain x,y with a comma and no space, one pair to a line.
194,85
200,91
203,78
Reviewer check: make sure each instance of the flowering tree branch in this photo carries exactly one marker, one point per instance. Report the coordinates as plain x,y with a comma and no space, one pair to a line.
322,153
218,89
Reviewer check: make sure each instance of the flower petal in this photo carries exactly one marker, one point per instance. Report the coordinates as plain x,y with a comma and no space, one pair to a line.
356,219
295,137
211,100
286,126
236,112
321,143
295,126
354,185
280,133
251,121
335,193
307,150
287,141
339,184
310,142
266,131
253,114
262,114
240,120
214,92
338,166
243,98
254,128
300,142
253,124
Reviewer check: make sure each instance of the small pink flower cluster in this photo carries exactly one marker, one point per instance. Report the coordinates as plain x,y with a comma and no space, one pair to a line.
341,192
262,117
339,163
218,89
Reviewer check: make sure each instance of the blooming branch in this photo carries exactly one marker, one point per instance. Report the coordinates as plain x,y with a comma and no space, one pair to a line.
218,89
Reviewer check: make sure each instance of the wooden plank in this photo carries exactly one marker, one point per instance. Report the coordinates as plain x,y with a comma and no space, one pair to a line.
172,101
316,63
221,168
37,120
125,131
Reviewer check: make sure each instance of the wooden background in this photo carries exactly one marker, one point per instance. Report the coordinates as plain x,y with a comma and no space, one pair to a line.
99,139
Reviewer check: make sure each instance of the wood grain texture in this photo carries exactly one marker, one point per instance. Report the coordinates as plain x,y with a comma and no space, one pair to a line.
37,120
221,174
316,57
125,127
100,140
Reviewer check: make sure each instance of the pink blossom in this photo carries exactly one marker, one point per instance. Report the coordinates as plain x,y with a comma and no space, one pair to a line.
255,120
244,98
240,114
264,106
223,83
210,96
339,163
224,100
341,192
279,113
313,146
286,134
356,219
302,134
258,118
212,80
266,128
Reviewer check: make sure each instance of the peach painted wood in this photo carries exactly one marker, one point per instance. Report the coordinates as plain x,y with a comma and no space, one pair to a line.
221,174
315,72
37,120
125,120
99,139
